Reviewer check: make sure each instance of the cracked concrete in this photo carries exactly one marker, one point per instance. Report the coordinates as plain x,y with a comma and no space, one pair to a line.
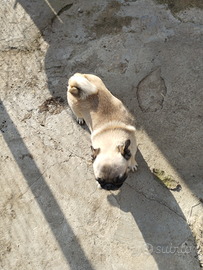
52,214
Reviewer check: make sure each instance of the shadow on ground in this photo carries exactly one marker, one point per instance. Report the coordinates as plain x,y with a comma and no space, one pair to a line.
68,242
159,220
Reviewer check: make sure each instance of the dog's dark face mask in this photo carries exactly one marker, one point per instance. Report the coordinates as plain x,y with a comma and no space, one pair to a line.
112,184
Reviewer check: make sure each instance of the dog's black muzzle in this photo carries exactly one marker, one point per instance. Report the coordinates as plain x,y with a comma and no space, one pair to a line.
112,185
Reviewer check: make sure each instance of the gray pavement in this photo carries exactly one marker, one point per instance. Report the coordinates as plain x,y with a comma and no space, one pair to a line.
52,214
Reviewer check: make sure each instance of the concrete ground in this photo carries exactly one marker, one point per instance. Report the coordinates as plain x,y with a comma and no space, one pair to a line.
52,215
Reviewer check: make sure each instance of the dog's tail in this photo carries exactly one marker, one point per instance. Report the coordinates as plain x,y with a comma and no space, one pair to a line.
80,87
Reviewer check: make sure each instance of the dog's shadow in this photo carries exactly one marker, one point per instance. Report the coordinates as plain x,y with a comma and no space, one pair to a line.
155,222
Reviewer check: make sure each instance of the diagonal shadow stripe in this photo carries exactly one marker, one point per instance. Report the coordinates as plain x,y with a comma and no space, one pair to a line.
74,254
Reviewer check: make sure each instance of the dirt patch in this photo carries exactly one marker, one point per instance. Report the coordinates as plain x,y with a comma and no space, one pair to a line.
82,65
178,5
166,180
151,92
27,116
108,22
52,105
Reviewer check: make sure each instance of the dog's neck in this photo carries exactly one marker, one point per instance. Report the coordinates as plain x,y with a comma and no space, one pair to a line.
110,126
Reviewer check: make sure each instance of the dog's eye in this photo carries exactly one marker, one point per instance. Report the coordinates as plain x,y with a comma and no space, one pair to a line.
122,178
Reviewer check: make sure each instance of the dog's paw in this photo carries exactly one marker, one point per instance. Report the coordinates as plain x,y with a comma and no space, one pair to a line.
80,121
134,167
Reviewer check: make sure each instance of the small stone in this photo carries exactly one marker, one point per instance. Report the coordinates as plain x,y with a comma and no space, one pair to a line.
80,10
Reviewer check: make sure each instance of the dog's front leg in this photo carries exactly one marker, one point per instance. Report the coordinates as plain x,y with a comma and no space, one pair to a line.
133,164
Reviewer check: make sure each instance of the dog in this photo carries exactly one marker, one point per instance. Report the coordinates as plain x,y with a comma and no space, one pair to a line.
112,132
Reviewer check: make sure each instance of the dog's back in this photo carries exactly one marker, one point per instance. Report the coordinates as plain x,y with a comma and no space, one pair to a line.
89,97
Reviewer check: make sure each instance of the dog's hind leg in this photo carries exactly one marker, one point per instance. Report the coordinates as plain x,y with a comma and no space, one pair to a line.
76,112
80,121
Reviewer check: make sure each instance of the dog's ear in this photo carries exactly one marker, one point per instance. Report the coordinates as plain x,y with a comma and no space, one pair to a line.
95,152
123,149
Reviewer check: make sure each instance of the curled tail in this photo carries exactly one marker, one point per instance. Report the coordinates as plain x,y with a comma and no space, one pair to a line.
80,87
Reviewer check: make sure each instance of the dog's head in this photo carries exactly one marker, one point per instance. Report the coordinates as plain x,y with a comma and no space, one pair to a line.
111,167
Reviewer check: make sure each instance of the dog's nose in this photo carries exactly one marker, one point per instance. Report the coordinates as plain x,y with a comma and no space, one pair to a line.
108,187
